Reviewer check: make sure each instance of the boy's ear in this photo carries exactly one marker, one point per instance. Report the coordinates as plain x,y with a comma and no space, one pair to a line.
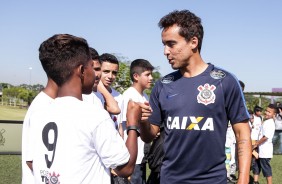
135,76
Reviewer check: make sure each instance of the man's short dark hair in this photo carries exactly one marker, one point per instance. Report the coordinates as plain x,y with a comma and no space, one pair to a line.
61,54
190,25
139,66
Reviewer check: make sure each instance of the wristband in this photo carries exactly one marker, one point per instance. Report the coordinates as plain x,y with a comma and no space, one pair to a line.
133,127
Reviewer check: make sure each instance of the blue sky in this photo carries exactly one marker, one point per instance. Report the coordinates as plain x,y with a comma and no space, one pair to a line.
243,37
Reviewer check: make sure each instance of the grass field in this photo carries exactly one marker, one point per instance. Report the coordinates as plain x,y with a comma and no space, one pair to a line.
10,165
12,113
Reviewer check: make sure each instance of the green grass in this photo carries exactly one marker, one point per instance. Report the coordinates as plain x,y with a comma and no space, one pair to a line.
12,113
10,167
276,163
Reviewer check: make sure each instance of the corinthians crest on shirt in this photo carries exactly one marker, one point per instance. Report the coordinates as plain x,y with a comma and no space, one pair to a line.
206,94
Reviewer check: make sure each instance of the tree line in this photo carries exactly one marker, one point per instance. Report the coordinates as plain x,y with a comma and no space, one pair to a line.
24,93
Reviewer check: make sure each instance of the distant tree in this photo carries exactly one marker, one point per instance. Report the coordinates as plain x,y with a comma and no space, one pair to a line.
35,87
5,85
252,101
19,93
123,80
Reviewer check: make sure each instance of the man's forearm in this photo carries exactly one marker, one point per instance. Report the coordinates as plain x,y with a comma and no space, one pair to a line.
244,148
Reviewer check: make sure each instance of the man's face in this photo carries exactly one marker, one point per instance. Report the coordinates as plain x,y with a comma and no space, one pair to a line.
109,73
88,78
97,70
177,50
145,79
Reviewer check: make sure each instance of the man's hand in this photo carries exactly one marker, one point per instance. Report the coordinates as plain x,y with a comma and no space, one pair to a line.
146,110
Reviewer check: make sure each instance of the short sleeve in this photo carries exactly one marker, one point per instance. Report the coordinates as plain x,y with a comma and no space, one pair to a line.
156,117
234,100
109,145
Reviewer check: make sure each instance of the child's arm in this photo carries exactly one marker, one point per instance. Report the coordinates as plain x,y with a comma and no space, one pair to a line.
111,105
259,142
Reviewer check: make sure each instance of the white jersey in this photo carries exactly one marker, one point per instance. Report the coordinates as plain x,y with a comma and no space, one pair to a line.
93,99
256,128
278,122
75,142
40,101
119,98
267,130
132,94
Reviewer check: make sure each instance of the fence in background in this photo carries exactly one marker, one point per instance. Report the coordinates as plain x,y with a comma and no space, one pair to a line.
10,137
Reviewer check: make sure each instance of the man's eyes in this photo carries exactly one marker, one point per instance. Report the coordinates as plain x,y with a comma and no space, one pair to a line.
170,44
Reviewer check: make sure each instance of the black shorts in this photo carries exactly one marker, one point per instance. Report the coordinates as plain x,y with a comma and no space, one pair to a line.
264,165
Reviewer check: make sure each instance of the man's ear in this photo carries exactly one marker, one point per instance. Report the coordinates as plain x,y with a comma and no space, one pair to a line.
80,71
194,43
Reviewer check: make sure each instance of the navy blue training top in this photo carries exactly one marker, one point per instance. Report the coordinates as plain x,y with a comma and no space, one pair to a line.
195,112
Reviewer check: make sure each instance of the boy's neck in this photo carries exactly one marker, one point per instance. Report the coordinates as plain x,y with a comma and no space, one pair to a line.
138,88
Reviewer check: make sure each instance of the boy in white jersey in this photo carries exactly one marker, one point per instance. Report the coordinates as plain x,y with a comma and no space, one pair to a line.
110,104
265,145
43,99
141,76
73,141
110,68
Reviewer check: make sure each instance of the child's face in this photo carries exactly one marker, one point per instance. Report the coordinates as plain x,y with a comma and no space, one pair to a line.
109,73
258,113
269,113
145,79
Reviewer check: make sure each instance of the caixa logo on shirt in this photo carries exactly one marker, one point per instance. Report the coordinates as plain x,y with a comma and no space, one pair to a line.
49,178
189,123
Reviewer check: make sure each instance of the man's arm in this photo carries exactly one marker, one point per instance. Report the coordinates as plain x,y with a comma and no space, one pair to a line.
111,105
244,150
147,131
133,117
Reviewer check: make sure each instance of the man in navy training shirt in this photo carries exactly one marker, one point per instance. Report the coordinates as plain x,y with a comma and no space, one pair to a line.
195,104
